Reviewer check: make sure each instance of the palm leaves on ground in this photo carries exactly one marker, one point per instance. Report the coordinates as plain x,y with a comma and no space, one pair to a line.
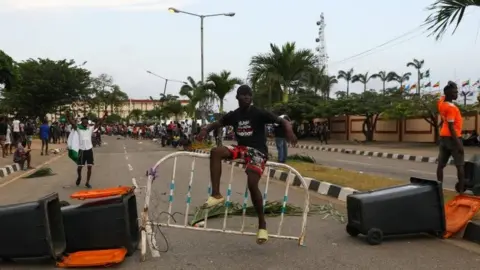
272,209
445,13
42,172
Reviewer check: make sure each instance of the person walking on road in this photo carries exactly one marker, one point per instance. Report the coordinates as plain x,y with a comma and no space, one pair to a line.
280,140
450,135
85,152
44,136
249,125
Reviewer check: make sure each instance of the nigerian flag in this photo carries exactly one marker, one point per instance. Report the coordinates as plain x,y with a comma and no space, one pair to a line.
73,145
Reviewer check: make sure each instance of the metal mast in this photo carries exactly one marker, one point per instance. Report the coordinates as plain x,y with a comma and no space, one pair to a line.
321,48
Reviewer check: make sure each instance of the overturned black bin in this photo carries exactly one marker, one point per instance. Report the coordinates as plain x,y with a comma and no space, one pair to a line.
32,229
407,209
105,223
472,176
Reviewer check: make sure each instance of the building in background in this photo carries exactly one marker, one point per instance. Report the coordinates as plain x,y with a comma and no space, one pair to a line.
123,110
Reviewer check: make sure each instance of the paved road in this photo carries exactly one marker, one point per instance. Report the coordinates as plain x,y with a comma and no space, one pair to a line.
397,169
328,246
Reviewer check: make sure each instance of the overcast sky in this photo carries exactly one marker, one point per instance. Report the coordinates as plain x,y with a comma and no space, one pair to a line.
124,38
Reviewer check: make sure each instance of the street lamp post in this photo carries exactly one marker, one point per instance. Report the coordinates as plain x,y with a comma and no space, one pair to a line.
166,81
202,17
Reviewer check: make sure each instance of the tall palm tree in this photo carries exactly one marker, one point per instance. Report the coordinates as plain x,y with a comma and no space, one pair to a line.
405,77
347,76
196,92
385,77
418,65
326,85
362,78
285,64
222,84
445,13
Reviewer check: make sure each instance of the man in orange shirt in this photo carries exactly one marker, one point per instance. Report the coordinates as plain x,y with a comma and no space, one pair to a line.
450,135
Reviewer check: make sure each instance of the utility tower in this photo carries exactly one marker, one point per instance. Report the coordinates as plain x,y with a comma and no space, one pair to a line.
321,48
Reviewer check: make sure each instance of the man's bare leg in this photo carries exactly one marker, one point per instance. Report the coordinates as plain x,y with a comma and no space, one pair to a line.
217,154
253,179
89,175
79,175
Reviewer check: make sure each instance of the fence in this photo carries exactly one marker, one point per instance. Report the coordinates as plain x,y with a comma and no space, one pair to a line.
146,224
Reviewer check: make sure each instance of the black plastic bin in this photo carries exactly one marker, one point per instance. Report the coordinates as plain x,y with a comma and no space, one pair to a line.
407,209
102,224
472,176
32,229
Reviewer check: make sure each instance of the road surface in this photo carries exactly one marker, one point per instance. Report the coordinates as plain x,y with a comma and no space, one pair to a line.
391,168
328,246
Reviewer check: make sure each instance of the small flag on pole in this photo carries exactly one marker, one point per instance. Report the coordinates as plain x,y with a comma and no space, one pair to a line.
436,85
465,83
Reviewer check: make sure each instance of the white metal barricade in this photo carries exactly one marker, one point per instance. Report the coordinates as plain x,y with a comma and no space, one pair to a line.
146,223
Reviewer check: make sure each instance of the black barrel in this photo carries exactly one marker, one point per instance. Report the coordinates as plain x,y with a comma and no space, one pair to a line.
32,229
407,209
105,223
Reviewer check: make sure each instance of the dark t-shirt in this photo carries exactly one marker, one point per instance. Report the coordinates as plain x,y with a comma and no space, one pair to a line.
249,126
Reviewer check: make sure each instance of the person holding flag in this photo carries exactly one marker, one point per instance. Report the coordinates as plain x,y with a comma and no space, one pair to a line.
80,147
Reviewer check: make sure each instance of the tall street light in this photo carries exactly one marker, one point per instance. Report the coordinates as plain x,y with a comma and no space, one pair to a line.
202,17
166,81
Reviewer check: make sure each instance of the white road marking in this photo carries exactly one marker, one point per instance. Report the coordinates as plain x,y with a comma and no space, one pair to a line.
152,242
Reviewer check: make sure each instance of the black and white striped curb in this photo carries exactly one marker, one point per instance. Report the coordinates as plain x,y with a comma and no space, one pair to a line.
9,169
15,167
366,153
471,232
320,187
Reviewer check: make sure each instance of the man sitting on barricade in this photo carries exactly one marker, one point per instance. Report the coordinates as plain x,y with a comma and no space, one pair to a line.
249,126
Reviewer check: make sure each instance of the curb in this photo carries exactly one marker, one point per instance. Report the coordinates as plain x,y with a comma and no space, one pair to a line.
471,231
423,159
15,167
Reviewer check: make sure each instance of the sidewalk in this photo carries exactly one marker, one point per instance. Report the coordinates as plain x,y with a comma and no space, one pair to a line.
7,166
402,151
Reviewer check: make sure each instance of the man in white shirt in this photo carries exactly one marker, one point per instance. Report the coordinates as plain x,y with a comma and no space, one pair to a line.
85,152
16,131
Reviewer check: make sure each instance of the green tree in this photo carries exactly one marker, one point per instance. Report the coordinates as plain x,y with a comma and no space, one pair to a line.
444,13
368,104
116,98
286,65
405,77
362,78
7,70
197,93
347,76
384,77
418,65
222,84
173,108
113,119
45,85
136,115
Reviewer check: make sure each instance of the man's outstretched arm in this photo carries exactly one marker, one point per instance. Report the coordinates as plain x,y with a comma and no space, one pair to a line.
70,120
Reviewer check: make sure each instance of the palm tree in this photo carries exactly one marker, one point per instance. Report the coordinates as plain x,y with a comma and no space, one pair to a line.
285,65
362,78
417,64
385,77
136,114
222,84
347,76
326,84
405,77
196,92
445,13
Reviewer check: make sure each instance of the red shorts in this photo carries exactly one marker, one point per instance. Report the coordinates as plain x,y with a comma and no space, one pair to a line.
254,159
